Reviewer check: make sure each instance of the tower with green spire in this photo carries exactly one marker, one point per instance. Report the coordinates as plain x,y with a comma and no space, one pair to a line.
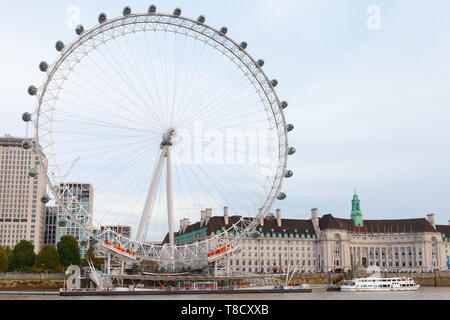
356,211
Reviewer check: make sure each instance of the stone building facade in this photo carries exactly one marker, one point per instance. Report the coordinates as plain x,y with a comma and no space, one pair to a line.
22,215
328,243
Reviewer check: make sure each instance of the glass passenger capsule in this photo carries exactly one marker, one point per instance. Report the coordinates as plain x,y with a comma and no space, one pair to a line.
33,172
101,18
177,12
26,144
290,127
26,117
201,19
282,196
62,222
45,198
126,11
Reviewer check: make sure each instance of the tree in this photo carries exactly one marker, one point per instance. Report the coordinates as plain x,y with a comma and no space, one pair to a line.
47,258
68,250
9,253
4,261
23,256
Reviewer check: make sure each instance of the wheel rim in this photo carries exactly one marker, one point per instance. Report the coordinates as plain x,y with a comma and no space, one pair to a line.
73,54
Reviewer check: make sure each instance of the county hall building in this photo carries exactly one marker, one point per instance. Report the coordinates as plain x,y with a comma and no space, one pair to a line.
328,243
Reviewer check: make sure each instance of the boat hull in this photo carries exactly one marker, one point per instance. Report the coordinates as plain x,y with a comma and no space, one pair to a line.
345,289
375,284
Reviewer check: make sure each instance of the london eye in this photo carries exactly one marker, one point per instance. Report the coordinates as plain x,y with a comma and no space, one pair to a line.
165,116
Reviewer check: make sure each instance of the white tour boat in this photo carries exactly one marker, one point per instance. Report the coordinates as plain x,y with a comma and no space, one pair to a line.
380,284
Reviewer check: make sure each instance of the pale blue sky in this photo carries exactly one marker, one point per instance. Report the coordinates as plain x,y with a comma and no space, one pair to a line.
371,107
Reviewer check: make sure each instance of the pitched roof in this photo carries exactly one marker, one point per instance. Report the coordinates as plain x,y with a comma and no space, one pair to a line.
166,238
377,226
326,222
8,141
290,225
216,223
445,229
329,222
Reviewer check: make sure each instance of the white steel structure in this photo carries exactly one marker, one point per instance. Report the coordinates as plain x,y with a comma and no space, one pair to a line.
141,92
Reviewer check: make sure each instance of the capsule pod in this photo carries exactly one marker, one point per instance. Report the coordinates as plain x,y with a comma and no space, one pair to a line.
162,268
43,66
270,216
126,11
201,19
177,12
243,45
26,117
290,127
102,17
224,30
274,82
152,9
62,223
79,30
45,198
26,144
256,235
291,151
288,174
260,62
59,45
282,196
33,172
32,90
284,104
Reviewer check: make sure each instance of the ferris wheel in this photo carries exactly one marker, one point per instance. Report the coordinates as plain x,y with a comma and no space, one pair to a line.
164,117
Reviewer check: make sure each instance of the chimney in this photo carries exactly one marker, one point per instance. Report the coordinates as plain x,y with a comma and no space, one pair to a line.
261,217
279,218
181,225
315,219
186,224
203,217
449,222
430,218
208,215
225,215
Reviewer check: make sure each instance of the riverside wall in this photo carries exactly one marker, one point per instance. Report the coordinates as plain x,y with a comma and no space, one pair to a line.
54,281
15,281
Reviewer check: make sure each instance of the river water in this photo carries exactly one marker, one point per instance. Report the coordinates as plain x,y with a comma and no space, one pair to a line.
424,293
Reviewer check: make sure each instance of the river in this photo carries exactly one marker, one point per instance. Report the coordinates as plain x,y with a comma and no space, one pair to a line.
424,293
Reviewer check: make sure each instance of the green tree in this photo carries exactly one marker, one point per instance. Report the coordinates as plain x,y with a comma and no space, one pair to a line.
69,252
47,258
4,261
9,253
23,256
